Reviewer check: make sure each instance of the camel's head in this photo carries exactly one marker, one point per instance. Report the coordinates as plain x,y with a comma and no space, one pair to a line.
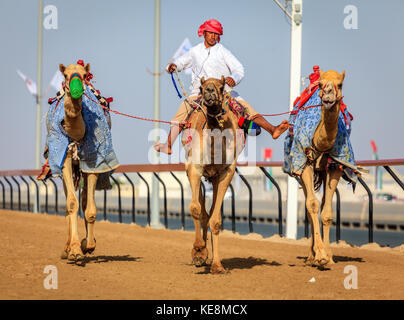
331,87
74,77
212,91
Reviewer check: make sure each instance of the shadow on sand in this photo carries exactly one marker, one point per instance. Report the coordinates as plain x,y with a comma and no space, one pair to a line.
241,263
104,259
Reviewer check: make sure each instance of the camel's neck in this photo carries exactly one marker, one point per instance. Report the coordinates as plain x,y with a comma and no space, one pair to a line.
74,123
326,132
72,106
213,111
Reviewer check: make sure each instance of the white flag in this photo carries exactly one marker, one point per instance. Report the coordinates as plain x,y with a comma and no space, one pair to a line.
31,85
183,48
57,80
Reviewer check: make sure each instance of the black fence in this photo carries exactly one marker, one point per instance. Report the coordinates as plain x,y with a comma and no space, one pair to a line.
19,177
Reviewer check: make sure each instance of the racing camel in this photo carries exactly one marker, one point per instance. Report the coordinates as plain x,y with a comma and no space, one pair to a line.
79,144
318,171
214,157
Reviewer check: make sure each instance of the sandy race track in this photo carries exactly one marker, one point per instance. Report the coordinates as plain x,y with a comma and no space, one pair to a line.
133,262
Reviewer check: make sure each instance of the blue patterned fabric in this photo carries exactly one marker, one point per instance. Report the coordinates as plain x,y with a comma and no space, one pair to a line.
304,124
96,152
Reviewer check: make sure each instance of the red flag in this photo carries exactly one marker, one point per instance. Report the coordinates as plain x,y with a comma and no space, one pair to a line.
267,153
374,147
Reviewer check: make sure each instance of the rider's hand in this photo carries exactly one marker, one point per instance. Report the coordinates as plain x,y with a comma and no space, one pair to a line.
172,67
230,82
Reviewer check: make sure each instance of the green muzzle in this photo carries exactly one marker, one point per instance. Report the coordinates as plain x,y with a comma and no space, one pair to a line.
76,86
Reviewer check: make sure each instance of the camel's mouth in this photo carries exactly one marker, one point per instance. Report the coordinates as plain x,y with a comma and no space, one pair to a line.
328,104
210,100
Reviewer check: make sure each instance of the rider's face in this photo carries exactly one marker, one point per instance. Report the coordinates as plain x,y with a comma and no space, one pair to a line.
211,38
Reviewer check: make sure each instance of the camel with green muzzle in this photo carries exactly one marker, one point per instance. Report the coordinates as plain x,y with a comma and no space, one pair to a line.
75,128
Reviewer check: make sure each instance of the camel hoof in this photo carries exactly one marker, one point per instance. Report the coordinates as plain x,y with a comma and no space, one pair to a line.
75,257
198,262
199,256
84,247
321,262
217,269
64,255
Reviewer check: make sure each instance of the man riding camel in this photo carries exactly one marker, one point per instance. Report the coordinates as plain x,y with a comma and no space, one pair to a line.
210,59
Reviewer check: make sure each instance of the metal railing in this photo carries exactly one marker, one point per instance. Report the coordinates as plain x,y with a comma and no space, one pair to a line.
170,168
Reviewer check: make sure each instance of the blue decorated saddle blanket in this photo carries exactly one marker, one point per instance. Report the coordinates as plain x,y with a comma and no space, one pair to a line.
303,123
95,150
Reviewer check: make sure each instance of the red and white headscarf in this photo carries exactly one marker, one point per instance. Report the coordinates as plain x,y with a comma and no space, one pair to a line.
211,25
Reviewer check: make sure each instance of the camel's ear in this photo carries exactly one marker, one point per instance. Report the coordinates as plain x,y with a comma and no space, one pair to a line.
62,68
343,75
223,80
321,73
203,80
87,68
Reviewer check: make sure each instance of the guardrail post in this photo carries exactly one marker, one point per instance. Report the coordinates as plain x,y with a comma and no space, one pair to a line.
400,183
250,225
148,197
182,200
46,196
119,198
370,222
4,194
280,218
11,192
28,193
56,194
38,205
133,196
165,198
19,192
338,223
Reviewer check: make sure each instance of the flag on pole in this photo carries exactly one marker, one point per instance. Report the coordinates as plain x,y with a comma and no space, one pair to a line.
182,49
57,80
31,85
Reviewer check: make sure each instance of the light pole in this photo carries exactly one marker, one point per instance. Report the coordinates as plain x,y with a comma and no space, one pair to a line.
155,207
38,92
295,71
38,96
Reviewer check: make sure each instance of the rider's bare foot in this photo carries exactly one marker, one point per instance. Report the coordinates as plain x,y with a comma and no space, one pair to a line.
162,147
280,129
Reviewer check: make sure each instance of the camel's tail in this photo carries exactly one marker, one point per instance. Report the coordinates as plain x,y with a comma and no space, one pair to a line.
319,178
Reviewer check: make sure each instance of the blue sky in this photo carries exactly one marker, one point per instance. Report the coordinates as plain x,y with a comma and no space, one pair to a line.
116,37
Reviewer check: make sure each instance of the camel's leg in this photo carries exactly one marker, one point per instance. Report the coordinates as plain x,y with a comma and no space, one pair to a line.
332,180
66,249
310,257
204,217
199,252
220,185
320,255
72,205
90,213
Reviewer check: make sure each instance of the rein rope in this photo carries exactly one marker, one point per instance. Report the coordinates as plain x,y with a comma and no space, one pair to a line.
186,123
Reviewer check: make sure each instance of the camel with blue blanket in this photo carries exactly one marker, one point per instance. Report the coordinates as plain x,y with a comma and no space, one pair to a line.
79,145
318,150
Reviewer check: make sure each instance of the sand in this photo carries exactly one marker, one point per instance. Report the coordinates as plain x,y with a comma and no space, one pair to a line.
133,262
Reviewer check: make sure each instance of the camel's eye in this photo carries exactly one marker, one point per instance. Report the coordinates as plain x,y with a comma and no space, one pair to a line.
340,86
